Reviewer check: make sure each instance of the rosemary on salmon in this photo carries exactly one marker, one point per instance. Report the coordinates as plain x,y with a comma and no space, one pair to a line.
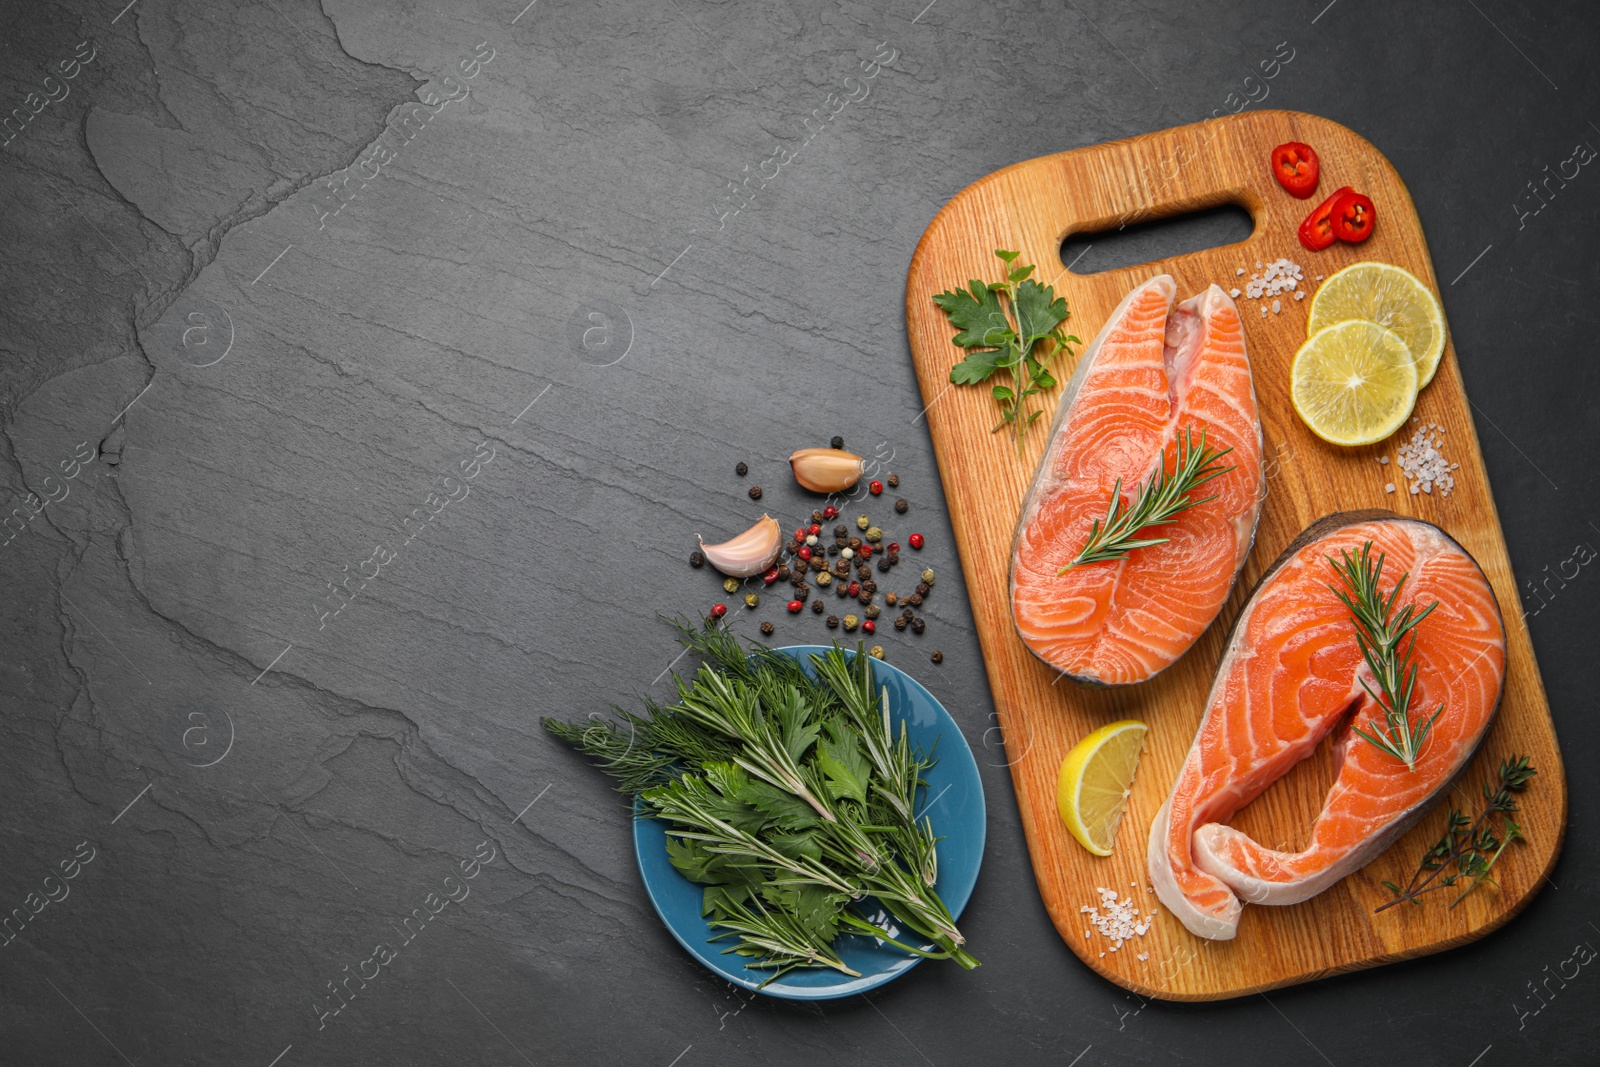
790,798
1161,499
1380,632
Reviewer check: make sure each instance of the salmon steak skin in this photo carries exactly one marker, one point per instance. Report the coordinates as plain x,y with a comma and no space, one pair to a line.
1291,674
1153,373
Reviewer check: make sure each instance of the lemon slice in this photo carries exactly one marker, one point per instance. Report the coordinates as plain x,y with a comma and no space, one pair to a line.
1095,778
1354,383
1391,297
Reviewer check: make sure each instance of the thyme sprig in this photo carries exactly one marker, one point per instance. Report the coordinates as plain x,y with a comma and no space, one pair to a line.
1471,846
1380,632
1161,499
790,797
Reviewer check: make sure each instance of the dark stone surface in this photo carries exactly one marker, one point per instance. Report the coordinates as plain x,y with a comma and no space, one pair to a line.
267,791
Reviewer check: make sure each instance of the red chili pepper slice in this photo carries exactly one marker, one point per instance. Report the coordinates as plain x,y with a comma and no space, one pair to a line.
1296,168
1353,216
1316,232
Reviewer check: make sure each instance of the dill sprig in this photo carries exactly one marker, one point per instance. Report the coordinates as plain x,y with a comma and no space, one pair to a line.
790,797
1380,632
1471,846
1160,500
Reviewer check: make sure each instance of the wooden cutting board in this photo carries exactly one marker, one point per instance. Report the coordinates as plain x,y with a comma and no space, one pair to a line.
1034,206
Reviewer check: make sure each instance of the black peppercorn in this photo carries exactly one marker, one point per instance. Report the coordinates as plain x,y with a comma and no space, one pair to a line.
864,598
894,480
755,492
869,586
864,571
833,550
767,628
818,563
883,566
816,606
841,530
937,657
873,611
915,600
837,442
923,588
901,622
855,544
742,469
918,625
833,622
697,558
901,505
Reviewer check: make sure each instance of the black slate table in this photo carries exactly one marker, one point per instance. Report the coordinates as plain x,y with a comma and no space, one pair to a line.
343,439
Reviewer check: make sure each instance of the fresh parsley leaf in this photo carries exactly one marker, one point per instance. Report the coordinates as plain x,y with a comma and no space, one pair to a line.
1039,311
977,367
977,314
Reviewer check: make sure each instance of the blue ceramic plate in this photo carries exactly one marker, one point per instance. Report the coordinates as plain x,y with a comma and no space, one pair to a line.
953,800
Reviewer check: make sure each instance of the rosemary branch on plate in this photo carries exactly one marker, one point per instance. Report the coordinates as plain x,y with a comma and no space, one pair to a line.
1380,632
1160,500
790,798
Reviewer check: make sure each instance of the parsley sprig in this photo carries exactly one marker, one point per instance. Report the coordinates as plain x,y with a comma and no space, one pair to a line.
791,799
1380,632
1471,846
1019,334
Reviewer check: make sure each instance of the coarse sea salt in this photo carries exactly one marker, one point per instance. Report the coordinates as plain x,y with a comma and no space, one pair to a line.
1116,919
1423,462
1280,276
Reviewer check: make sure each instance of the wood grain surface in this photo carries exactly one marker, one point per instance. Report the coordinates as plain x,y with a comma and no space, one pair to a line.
1034,206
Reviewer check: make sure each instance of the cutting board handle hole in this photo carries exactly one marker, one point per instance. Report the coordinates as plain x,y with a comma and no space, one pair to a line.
1157,240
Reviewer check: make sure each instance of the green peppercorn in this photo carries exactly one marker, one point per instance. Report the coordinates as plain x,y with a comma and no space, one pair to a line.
927,576
937,657
752,600
862,522
730,585
874,534
876,652
833,622
755,492
767,628
824,580
851,622
742,469
873,611
894,481
902,506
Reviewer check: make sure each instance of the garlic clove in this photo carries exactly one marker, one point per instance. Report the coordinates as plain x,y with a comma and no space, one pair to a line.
751,552
826,470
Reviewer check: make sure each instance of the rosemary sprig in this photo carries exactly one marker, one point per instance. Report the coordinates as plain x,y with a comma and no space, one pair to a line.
1471,846
1160,500
1380,631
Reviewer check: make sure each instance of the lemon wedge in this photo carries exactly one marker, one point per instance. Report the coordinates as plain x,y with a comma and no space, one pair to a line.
1391,297
1354,383
1095,779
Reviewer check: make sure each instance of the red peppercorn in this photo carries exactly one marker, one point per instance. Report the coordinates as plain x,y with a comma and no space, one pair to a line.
799,533
865,552
814,528
916,541
771,576
853,589
718,610
869,627
894,546
805,552
795,606
875,487
830,512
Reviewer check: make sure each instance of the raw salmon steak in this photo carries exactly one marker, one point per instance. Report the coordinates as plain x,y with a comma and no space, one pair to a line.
1291,674
1153,373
